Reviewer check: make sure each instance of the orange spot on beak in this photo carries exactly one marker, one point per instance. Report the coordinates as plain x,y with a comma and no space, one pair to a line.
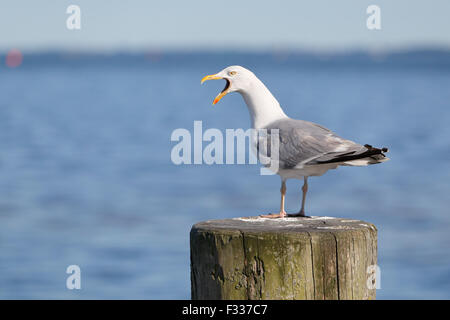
220,95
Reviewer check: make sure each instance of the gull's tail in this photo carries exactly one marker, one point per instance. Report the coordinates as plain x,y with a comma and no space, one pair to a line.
367,155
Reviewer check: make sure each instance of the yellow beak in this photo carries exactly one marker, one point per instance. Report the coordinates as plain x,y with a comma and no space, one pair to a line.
210,77
220,95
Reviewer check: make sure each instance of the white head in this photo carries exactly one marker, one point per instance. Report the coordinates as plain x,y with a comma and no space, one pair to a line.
262,105
238,79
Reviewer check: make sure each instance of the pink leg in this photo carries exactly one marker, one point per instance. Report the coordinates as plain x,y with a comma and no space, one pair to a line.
305,190
282,213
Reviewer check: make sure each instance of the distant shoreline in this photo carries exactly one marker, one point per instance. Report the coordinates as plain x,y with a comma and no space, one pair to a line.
414,58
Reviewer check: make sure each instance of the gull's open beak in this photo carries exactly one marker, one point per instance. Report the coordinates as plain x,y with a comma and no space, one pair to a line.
224,92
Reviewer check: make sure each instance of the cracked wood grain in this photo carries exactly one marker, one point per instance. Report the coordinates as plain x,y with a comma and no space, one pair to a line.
292,258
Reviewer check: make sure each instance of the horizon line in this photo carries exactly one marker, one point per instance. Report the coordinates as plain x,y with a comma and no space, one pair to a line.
231,50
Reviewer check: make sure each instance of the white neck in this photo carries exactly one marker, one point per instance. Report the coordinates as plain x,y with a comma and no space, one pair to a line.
262,105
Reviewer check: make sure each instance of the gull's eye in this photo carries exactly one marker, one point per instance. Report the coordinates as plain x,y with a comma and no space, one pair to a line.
232,73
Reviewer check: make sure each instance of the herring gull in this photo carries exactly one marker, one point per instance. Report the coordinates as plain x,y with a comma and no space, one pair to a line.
305,148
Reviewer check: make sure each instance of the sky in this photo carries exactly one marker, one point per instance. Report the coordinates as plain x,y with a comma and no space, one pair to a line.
111,25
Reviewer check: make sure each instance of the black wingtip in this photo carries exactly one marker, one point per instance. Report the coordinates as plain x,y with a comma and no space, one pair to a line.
384,149
371,152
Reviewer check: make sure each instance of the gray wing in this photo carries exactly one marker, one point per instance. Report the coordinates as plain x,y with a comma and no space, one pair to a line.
306,143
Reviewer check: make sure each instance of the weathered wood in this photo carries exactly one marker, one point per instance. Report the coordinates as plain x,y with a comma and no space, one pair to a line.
290,258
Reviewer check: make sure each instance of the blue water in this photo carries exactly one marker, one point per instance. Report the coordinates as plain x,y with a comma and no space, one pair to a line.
86,176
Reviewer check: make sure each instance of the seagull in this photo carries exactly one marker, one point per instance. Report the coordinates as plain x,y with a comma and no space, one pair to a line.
305,148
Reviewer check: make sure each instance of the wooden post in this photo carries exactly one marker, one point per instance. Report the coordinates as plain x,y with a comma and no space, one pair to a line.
290,258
